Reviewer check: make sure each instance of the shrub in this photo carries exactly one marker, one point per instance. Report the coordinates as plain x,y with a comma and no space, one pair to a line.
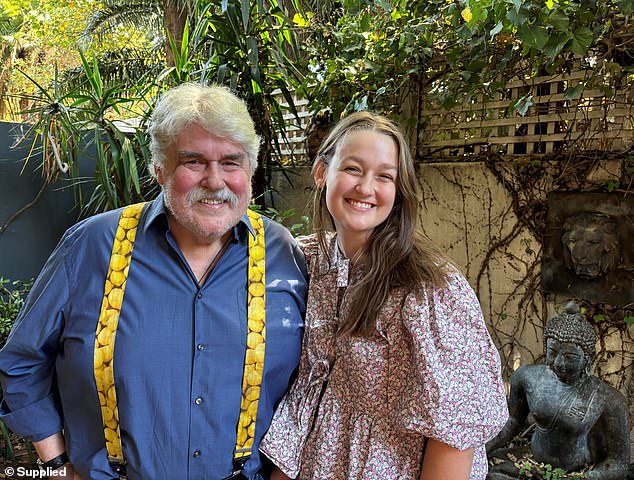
12,296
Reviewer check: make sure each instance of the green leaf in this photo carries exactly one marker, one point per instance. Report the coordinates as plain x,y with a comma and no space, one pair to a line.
479,12
365,23
252,51
246,10
599,318
385,5
559,20
571,93
497,29
556,44
519,15
613,185
629,320
582,38
534,37
522,104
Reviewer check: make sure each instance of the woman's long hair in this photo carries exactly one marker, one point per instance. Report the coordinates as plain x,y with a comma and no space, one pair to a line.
398,254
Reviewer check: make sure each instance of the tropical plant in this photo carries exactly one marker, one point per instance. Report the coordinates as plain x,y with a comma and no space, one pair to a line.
63,122
251,47
160,19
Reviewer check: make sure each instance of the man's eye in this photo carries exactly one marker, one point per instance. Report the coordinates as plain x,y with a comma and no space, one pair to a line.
231,164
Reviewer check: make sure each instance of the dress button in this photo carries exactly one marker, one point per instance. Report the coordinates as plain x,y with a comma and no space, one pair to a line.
196,454
200,295
198,401
200,346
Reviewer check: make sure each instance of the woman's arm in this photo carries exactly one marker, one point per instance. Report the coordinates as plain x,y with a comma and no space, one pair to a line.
277,474
442,462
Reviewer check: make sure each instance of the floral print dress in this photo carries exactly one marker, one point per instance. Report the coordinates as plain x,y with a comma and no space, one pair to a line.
362,408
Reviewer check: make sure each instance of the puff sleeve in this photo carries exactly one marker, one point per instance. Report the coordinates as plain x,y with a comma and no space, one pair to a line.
457,396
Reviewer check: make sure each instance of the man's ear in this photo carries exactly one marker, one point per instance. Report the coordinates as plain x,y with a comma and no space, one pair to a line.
159,174
319,175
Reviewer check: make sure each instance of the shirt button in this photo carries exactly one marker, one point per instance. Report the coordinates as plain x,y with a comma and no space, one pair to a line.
198,401
200,295
196,454
200,346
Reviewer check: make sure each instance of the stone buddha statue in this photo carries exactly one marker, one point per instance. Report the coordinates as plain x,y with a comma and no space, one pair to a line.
579,420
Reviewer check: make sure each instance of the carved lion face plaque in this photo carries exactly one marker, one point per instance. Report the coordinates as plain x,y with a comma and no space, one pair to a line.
589,247
590,244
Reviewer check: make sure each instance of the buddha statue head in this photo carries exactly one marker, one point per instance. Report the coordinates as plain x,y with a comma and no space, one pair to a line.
570,343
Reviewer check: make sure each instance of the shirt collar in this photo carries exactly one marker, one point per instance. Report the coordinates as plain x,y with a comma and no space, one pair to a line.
156,210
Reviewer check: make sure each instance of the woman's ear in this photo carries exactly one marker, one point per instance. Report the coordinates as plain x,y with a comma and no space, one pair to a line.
319,175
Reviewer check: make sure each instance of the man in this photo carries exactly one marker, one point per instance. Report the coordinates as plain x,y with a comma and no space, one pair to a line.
205,303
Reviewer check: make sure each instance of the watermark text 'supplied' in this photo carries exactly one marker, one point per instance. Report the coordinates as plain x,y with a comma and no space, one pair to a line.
35,472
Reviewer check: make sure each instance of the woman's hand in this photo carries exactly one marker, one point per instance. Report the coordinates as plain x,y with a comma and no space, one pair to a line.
442,462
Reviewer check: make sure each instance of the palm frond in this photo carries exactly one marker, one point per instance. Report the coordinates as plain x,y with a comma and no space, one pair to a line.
142,14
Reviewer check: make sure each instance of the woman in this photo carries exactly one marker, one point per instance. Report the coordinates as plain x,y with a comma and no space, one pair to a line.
398,378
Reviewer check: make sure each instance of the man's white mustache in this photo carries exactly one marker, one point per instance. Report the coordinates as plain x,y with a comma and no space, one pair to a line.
223,195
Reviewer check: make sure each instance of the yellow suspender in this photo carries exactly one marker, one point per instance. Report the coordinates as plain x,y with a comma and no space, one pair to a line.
114,288
254,357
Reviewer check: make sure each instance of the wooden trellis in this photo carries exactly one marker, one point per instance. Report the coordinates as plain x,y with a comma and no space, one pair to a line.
294,145
591,121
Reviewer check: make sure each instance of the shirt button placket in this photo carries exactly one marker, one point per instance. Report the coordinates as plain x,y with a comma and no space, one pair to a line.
198,400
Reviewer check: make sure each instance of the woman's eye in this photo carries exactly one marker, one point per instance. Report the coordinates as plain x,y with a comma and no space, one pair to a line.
386,177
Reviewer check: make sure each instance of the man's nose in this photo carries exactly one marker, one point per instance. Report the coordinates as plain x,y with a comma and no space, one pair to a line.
213,178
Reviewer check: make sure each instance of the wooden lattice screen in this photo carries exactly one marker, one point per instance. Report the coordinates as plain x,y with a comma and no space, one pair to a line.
591,121
294,145
594,120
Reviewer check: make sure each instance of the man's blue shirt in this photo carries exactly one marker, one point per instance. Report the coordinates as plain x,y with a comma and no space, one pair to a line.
179,350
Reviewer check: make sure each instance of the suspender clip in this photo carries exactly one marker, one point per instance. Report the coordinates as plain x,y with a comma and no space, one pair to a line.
119,466
238,467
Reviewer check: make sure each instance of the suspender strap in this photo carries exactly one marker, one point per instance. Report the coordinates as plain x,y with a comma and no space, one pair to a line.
256,335
114,289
